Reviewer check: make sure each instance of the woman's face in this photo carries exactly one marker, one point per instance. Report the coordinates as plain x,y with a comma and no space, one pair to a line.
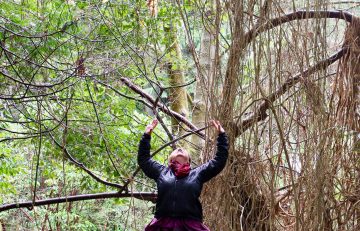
180,155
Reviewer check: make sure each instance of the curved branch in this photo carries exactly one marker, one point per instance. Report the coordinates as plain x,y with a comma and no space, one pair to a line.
302,14
38,85
82,166
28,60
260,113
43,35
11,97
148,196
17,138
108,152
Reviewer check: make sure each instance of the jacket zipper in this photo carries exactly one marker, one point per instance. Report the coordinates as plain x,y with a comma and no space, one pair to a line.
174,196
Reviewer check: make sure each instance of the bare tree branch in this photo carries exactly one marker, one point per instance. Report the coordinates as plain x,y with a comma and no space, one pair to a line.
303,14
260,113
147,196
162,107
43,35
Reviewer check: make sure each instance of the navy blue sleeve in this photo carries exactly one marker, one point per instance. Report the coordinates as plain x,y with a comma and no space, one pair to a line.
216,165
150,167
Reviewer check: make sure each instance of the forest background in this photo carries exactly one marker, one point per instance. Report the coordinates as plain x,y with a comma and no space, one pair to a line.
81,79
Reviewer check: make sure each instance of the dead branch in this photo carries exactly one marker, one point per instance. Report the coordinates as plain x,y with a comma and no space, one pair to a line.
260,114
302,14
147,196
162,107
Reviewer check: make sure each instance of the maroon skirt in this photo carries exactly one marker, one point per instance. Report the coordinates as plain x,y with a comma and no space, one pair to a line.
175,224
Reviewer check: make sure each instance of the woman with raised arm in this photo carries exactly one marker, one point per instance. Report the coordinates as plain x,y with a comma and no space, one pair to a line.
178,207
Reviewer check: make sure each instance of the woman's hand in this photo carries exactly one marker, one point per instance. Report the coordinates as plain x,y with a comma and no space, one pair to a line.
149,128
217,126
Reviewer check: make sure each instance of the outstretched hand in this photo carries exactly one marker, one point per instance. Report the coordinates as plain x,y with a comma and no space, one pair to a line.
149,128
217,126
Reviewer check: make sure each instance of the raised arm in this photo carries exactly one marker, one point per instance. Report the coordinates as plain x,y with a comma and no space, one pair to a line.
217,164
150,167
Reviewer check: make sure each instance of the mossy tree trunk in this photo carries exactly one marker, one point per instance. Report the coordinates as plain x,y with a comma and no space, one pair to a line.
177,92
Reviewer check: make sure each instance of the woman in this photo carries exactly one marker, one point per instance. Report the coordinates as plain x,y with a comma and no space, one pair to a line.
178,207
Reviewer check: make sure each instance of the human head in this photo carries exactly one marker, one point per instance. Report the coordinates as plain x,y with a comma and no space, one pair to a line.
180,155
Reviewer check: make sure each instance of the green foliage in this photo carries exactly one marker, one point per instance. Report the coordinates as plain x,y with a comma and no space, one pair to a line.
43,41
10,168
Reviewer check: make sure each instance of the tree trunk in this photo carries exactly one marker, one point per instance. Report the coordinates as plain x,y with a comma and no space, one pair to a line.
177,93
